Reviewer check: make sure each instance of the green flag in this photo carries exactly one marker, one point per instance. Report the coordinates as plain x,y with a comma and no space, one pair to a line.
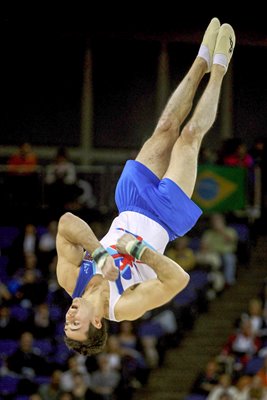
220,188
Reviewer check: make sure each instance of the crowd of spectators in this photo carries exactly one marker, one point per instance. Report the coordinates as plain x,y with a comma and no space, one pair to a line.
239,371
33,306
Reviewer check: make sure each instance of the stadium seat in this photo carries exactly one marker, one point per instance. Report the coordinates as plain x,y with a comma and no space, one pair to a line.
8,347
7,236
8,385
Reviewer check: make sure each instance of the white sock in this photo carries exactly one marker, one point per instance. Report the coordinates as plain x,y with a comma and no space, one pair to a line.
204,53
220,59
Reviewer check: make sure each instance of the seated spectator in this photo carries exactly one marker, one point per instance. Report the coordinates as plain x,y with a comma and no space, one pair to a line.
25,245
241,346
47,247
33,290
256,390
256,316
127,337
5,294
262,373
180,252
68,377
105,380
210,260
128,361
207,379
223,239
10,327
26,360
60,180
224,387
23,161
51,390
80,386
42,326
235,154
243,384
22,179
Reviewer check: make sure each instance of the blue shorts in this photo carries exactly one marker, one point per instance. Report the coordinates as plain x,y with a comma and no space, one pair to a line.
140,190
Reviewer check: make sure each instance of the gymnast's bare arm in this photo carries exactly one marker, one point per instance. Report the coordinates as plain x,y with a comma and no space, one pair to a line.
73,237
171,279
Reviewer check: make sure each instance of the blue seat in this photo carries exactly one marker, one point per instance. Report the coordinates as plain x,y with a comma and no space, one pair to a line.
150,328
56,313
8,347
3,269
195,396
199,279
44,346
8,385
61,354
40,380
254,365
7,236
20,313
242,231
186,297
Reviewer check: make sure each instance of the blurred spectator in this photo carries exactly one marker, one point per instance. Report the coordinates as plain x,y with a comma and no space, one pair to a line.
256,390
26,359
256,316
69,396
10,327
42,326
210,260
224,386
60,180
223,239
30,264
51,390
24,247
129,363
241,346
127,337
207,155
243,385
22,182
105,380
23,161
207,379
5,294
259,154
235,154
35,396
30,240
80,386
135,349
180,252
262,373
47,247
68,378
32,290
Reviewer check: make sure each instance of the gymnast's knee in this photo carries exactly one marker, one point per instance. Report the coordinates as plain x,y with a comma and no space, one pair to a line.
191,133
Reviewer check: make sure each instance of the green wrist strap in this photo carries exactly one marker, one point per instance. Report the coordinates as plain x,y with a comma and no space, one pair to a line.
100,255
136,248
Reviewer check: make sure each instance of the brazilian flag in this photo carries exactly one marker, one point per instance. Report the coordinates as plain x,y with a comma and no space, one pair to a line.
220,188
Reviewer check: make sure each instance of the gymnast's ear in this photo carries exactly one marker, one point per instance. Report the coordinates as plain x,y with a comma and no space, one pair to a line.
97,323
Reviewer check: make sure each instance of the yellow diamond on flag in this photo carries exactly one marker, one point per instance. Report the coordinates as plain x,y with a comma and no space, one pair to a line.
212,188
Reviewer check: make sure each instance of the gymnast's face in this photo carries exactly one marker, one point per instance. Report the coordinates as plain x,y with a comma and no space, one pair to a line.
78,319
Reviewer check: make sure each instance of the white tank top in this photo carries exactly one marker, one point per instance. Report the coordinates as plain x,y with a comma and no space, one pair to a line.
132,272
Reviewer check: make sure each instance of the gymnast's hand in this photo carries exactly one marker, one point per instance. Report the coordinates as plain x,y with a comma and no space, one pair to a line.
123,241
109,270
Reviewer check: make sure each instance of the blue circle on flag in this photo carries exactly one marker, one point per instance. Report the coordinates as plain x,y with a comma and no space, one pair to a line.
208,188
